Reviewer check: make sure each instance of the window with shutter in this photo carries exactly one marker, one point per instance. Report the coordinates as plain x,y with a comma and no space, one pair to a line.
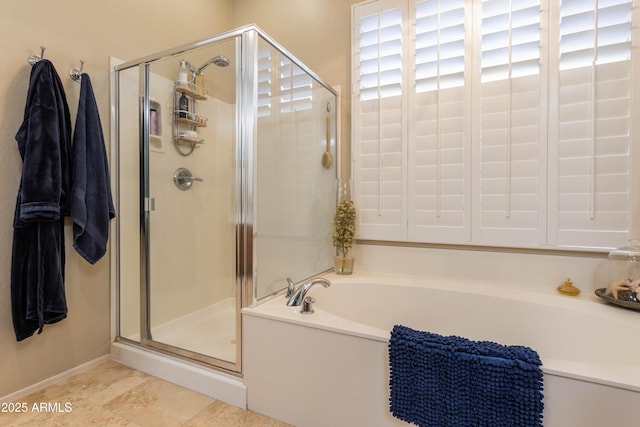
591,152
295,87
379,122
439,125
281,83
510,171
495,122
265,80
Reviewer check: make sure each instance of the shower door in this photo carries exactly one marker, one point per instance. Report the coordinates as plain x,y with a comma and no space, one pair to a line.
192,207
180,192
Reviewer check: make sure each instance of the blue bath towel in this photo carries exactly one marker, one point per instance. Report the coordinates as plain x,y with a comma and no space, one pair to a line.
454,382
91,203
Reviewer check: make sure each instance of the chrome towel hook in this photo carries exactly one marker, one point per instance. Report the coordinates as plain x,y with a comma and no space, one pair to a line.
34,59
76,74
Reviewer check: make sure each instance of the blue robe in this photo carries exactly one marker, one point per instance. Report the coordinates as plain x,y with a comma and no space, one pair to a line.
38,258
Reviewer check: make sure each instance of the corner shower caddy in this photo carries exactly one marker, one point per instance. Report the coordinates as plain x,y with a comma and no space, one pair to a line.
185,121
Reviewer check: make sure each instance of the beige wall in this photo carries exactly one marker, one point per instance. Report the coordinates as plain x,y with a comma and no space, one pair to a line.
73,30
315,31
318,33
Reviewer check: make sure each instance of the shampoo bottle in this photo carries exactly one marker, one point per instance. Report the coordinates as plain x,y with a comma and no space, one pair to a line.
182,74
199,82
183,106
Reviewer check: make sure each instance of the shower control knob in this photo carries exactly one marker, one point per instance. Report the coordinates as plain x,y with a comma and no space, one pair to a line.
183,179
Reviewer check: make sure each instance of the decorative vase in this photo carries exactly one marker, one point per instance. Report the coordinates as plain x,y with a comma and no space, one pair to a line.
624,272
343,265
344,190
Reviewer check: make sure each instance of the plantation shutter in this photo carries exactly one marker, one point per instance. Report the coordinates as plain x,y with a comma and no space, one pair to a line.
495,122
265,90
379,150
439,125
510,167
295,87
591,154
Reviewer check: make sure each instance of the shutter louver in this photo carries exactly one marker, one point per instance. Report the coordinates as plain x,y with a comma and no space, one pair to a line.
594,129
381,55
379,149
439,44
511,174
510,39
439,161
295,87
264,81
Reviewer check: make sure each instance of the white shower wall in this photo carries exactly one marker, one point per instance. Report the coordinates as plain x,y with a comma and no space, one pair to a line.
192,232
192,248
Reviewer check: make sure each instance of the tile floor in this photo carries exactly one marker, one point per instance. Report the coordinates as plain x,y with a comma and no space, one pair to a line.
111,394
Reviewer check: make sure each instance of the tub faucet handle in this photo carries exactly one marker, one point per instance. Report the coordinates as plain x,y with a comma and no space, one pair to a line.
291,288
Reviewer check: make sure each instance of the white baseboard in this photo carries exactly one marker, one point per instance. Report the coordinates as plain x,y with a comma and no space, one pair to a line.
54,379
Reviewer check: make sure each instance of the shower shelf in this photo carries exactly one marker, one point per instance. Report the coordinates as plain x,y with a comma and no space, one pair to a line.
185,122
191,91
187,140
198,123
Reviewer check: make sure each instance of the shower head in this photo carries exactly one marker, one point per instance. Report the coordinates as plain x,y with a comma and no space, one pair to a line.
220,61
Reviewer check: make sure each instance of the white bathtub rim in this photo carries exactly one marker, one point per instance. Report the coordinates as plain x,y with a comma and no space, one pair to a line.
589,303
622,377
619,376
482,288
585,302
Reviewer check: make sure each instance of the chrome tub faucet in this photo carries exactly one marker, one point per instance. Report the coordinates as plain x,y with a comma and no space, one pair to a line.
298,295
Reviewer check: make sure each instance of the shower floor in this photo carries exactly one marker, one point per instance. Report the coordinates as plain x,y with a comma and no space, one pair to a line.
210,331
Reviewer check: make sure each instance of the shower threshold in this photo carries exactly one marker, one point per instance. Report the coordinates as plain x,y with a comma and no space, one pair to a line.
209,331
210,382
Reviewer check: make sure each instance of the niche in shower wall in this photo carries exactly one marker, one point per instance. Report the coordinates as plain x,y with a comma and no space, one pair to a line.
155,126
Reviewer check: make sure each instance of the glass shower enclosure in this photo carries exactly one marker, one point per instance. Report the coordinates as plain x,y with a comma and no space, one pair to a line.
223,189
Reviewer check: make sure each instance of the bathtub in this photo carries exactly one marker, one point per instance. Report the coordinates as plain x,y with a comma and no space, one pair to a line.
331,367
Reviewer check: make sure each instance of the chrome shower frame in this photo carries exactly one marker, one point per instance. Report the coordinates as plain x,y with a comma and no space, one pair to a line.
246,100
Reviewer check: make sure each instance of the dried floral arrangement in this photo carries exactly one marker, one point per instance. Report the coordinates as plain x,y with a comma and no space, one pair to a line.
344,226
